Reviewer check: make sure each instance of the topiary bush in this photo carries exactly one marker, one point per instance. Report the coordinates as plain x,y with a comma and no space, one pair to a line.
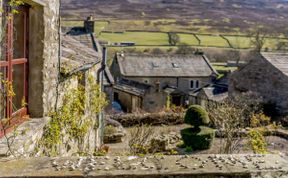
199,136
196,116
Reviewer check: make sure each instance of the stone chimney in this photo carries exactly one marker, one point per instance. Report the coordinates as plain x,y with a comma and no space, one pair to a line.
89,24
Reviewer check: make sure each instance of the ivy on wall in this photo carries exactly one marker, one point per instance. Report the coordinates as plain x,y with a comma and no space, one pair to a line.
74,118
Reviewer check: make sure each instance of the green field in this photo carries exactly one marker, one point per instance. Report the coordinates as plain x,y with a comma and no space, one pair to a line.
209,40
140,38
100,26
188,39
239,41
116,31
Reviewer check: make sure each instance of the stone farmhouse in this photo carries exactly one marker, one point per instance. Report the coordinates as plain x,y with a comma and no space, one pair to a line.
266,75
42,65
147,82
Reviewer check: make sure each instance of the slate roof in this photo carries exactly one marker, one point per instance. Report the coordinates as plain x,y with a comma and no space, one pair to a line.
145,65
132,87
76,55
214,94
279,60
88,39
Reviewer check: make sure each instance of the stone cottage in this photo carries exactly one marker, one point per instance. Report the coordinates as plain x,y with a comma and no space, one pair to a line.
266,75
147,82
41,75
29,58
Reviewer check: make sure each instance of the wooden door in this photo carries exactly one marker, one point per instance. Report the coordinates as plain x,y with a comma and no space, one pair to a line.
14,65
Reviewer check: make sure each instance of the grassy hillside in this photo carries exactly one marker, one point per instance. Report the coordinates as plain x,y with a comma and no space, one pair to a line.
223,16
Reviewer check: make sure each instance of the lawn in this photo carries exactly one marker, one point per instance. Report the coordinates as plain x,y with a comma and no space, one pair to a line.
140,38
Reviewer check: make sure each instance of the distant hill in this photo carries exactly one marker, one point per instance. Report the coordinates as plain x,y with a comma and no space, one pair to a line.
235,13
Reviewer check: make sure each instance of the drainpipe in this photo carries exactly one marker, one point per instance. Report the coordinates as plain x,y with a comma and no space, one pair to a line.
101,71
59,57
100,81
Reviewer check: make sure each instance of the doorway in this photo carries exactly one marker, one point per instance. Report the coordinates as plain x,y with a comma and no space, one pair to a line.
14,64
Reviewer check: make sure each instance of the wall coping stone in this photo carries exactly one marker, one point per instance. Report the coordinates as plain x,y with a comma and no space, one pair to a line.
26,138
241,165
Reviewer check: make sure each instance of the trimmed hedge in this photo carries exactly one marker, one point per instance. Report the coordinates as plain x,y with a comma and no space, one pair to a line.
162,118
198,140
196,116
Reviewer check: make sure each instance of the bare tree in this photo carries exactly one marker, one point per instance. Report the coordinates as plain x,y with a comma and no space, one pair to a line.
258,37
230,117
140,137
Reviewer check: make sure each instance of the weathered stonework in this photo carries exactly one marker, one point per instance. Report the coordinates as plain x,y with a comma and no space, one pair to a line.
43,56
261,77
47,87
94,136
200,166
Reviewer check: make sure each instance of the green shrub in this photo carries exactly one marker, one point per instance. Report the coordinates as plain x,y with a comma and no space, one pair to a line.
196,116
197,137
198,140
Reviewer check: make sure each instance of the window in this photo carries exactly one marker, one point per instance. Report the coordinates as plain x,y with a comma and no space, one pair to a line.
197,84
157,86
194,84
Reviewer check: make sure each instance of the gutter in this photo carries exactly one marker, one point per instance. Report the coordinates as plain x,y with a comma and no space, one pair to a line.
101,71
101,115
83,68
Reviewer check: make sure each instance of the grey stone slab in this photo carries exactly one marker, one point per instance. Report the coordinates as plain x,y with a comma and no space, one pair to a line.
150,166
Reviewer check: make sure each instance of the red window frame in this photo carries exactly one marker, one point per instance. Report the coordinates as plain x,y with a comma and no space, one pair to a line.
15,117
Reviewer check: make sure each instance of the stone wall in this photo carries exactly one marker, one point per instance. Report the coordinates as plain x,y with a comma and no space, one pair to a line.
43,56
192,166
261,77
93,139
182,83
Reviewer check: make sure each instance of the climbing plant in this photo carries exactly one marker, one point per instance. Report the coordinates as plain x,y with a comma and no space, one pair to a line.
72,118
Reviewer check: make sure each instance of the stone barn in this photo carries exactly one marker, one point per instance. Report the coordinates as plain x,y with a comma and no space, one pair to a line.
147,82
266,75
